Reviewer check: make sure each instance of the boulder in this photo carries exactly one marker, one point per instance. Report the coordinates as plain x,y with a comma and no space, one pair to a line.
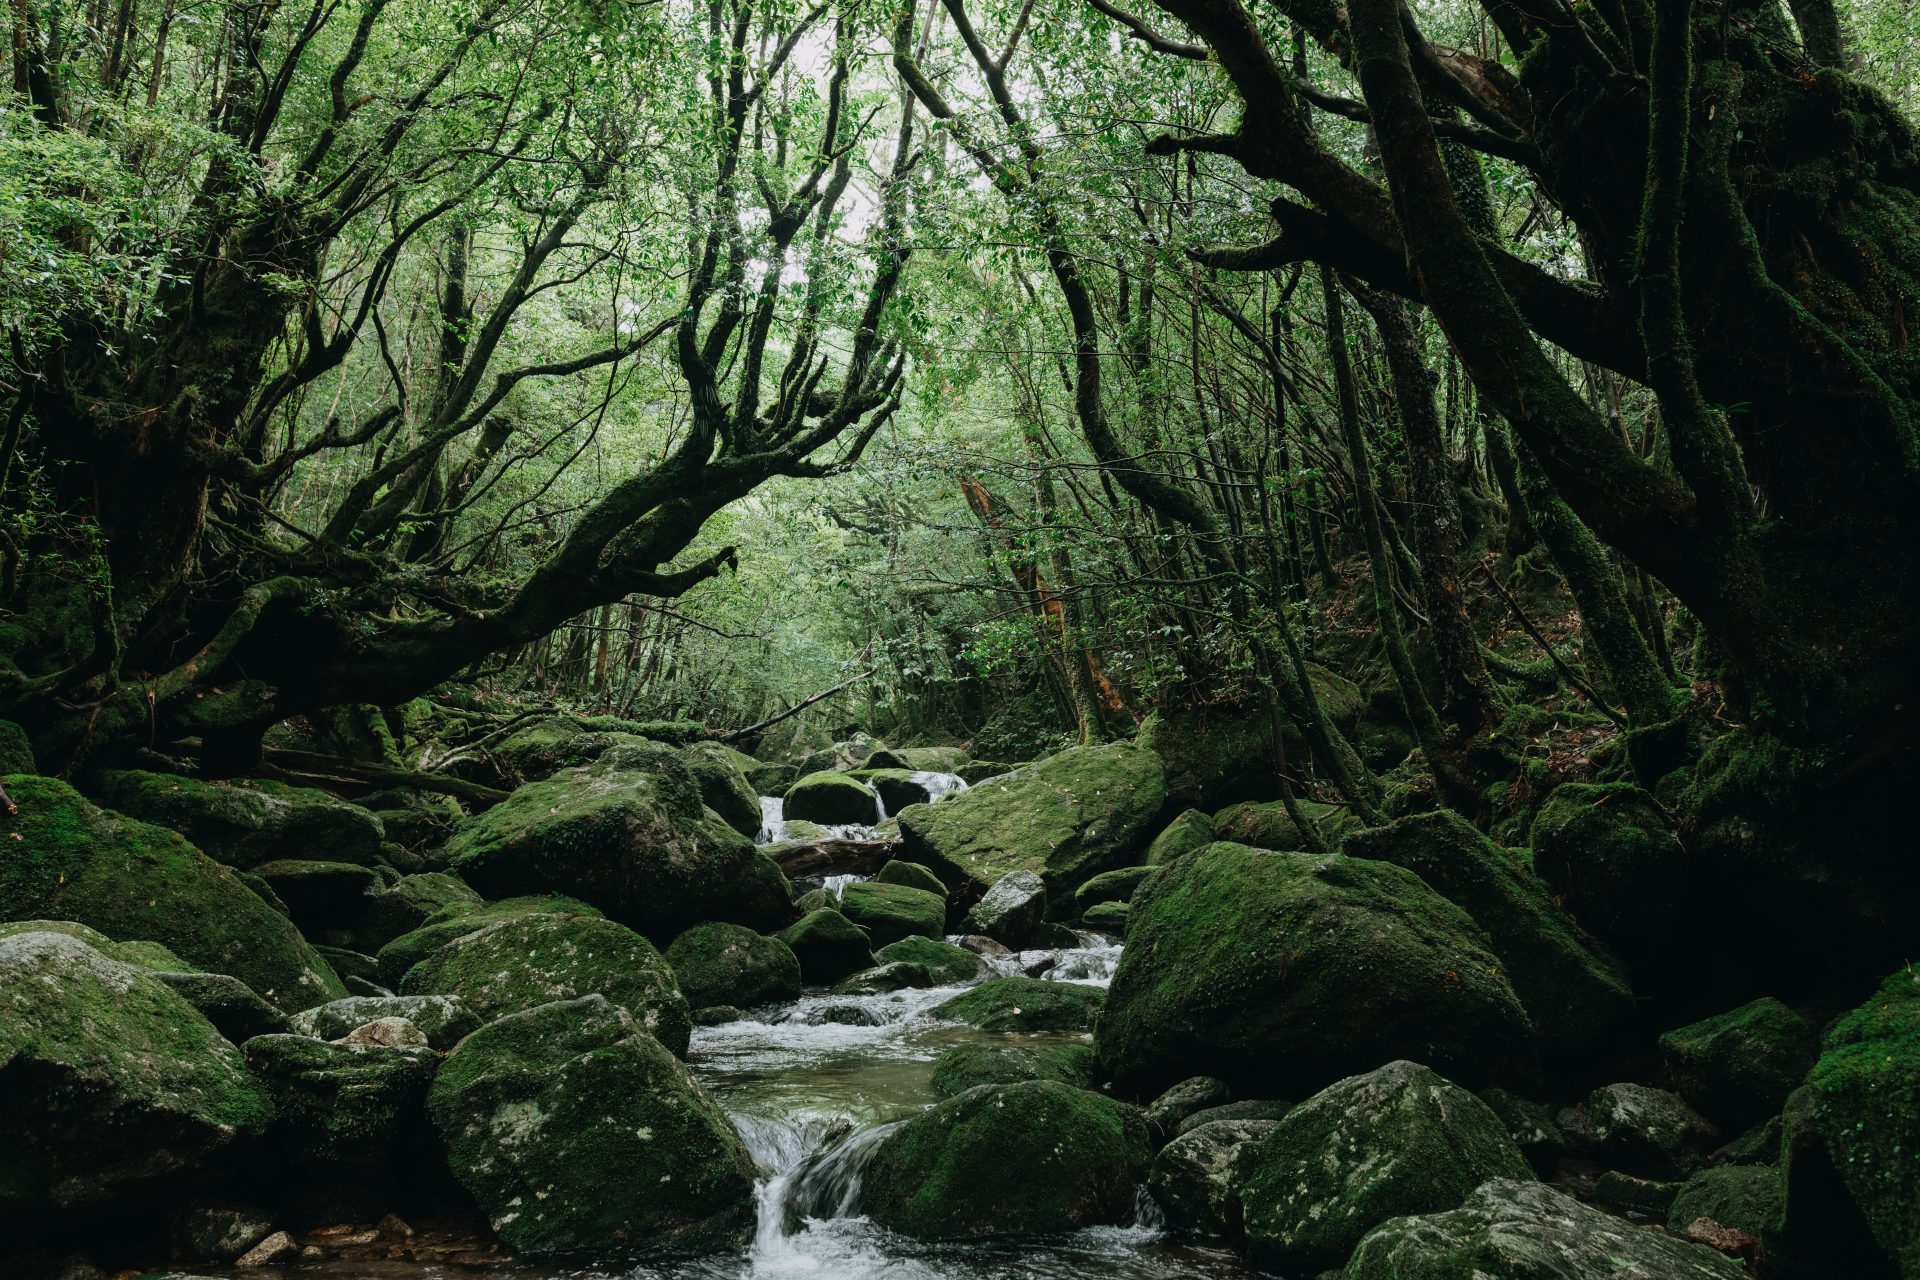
320,895
1012,911
129,880
218,1233
1613,860
1398,1140
16,752
542,748
1280,972
1008,1160
1738,1068
629,834
1191,830
967,1066
1851,1134
1024,1004
1196,1177
890,912
1575,992
577,1132
1640,1195
1530,1125
1647,1131
723,784
731,964
408,904
1749,1199
457,920
899,975
1195,1094
143,955
235,1009
911,874
1527,1229
828,946
249,822
947,964
1108,917
443,1020
1235,1113
1110,886
1067,818
898,788
349,1134
113,1084
519,964
1266,824
834,799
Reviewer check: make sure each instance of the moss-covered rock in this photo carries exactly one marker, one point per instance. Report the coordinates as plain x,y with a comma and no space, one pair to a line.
911,874
1235,1113
544,747
144,955
406,905
457,920
832,798
1515,1229
944,962
897,788
1108,917
135,882
533,960
731,964
1575,992
349,1123
578,1132
1176,1103
1853,1130
1615,863
723,785
1012,912
1191,830
1009,1160
1398,1140
443,1020
1266,824
1530,1124
1280,972
1196,1178
16,753
895,975
1110,886
1748,1198
1024,1004
828,946
967,1066
1647,1131
246,823
890,912
235,1009
112,1082
1737,1068
627,833
1067,818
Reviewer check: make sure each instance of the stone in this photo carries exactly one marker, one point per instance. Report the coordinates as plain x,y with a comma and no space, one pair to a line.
247,822
983,946
1108,918
828,946
890,912
131,881
1110,886
1196,1177
723,785
911,874
1644,1195
542,748
832,799
1750,1199
881,979
1012,911
1191,830
1235,1113
520,964
1638,1129
1615,863
1738,1068
16,752
206,1232
919,759
457,920
716,1015
1530,1125
392,1033
408,904
1180,1101
1576,994
1281,972
730,964
1008,1160
577,1132
1527,1229
1396,1141
270,1252
444,1020
113,1084
232,1006
142,955
1266,824
1023,1004
945,963
966,1066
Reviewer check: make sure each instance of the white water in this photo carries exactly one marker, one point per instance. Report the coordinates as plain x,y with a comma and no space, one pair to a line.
773,822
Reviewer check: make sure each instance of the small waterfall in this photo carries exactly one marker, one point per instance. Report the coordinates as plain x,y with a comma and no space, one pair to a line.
773,820
939,786
837,885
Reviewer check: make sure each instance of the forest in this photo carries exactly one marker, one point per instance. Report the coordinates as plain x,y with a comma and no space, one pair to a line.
960,639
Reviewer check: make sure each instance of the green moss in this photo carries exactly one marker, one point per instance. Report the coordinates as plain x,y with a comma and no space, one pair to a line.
1108,917
533,960
1009,1160
1024,1004
1749,1198
1267,824
1737,1068
723,786
944,962
895,975
1191,830
832,798
406,905
1616,865
246,823
16,753
543,748
1110,886
135,882
730,964
828,945
911,874
966,1066
144,955
919,759
459,918
890,912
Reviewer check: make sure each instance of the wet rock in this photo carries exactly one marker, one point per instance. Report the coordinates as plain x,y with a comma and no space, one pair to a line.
1012,911
1531,1127
946,963
1396,1141
1615,863
716,1015
218,1232
848,1014
459,919
1575,992
911,874
350,964
1189,831
1508,1228
246,823
519,964
393,1033
1279,972
1647,1131
1196,1093
1738,1068
828,946
630,835
1024,1004
890,912
443,1019
1108,918
270,1252
730,964
724,788
543,1111
1196,1177
966,1066
1009,1160
984,946
1110,886
1645,1195
542,748
131,881
113,1083
899,976
832,799
1749,1199
1234,1113
408,904
897,788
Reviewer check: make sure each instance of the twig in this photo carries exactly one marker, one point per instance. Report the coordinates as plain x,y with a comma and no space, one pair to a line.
794,710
